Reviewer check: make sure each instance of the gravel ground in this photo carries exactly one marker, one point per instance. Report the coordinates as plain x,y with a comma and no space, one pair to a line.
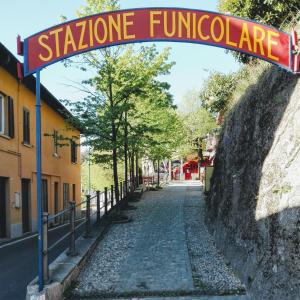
166,251
209,268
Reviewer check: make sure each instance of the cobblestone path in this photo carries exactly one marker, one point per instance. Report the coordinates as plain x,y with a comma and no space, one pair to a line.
166,252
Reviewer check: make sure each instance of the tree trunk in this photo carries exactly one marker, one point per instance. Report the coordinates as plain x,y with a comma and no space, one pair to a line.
158,181
114,142
132,169
137,169
126,153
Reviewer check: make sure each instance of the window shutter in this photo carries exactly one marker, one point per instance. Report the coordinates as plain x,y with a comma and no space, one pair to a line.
26,126
11,119
75,152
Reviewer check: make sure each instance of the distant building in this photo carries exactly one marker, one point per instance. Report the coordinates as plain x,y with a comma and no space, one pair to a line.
60,164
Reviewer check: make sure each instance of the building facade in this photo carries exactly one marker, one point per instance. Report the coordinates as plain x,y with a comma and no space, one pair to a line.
60,152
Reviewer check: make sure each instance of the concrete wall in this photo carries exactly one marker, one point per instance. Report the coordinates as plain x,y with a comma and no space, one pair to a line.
17,160
254,204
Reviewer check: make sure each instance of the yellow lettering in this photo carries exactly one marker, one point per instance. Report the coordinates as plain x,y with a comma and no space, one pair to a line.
202,37
186,21
56,35
258,40
173,25
82,46
116,25
91,33
153,21
271,42
69,40
212,29
228,42
194,26
245,37
50,55
96,33
127,23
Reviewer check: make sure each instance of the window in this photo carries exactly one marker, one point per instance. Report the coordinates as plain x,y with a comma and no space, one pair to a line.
26,126
73,152
7,116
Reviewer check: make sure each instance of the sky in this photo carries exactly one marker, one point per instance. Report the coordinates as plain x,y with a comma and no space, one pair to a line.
193,62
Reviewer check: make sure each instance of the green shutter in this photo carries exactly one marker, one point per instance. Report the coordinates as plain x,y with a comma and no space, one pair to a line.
11,119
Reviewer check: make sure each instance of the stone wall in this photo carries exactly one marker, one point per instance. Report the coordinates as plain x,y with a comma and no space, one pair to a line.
254,203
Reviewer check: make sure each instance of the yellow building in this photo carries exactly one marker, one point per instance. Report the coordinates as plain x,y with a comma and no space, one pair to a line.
60,157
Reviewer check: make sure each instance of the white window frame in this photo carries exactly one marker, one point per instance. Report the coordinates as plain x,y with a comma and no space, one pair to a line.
2,130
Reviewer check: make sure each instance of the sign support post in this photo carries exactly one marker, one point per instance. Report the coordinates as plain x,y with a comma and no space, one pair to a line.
39,180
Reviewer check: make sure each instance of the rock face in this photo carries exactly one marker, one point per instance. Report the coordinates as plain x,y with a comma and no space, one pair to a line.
254,203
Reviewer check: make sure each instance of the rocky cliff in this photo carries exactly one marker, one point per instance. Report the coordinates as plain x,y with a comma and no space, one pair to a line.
254,203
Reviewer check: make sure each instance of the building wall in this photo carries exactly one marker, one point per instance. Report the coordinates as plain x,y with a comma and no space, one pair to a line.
18,161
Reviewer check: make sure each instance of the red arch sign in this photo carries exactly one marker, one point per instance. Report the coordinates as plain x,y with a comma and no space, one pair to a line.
157,24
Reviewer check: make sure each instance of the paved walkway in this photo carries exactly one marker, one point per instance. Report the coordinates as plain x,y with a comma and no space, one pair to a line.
165,252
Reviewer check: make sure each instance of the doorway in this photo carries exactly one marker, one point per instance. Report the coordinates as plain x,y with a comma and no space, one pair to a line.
26,205
3,197
56,197
66,199
66,195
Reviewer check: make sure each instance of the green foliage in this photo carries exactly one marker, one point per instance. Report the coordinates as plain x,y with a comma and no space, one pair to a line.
196,120
272,12
199,123
120,82
217,91
100,176
96,6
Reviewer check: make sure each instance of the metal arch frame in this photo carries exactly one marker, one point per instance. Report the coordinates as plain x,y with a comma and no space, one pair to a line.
155,40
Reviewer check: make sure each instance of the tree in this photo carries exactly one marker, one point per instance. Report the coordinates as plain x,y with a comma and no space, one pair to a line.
190,102
217,91
197,120
120,77
120,74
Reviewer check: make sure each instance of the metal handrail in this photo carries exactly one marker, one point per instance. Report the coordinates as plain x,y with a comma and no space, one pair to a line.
105,202
52,217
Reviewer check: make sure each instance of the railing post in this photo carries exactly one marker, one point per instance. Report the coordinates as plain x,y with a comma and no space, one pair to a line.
88,217
112,195
72,251
105,200
121,191
98,206
45,248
